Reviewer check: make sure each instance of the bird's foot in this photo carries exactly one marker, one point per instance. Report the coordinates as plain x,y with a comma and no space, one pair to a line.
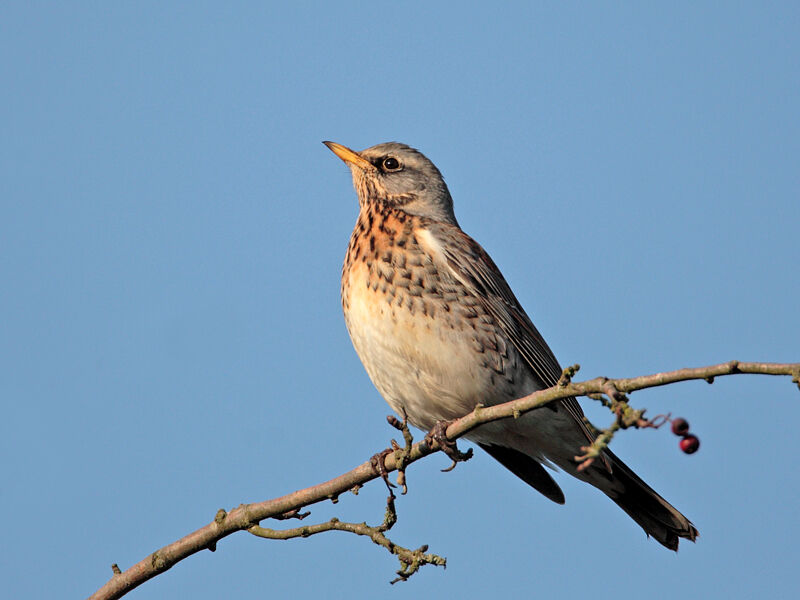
378,463
438,435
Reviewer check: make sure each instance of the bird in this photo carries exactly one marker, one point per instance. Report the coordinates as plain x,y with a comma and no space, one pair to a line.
439,331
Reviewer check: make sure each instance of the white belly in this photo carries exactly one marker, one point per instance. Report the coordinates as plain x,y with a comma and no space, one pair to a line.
424,365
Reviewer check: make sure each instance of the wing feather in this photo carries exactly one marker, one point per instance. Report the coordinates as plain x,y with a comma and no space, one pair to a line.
471,264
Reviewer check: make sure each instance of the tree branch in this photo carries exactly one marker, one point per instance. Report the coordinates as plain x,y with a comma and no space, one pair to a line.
410,560
611,392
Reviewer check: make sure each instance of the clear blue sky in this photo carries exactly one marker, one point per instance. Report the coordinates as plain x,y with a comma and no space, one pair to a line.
171,238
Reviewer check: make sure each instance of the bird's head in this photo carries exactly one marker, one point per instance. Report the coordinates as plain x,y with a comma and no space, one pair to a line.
398,176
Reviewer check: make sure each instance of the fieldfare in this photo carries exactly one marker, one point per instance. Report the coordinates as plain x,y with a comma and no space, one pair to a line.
439,330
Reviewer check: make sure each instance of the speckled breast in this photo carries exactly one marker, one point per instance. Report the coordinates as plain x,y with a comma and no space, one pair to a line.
426,342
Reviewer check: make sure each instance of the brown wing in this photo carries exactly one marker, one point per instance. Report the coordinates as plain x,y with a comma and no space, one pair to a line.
470,262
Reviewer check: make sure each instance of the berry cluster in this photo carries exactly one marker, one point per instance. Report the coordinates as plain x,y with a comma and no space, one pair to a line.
689,442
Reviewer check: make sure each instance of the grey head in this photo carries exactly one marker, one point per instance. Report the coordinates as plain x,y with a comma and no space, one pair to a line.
398,176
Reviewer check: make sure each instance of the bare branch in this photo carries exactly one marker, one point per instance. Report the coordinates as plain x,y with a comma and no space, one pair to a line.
410,560
612,392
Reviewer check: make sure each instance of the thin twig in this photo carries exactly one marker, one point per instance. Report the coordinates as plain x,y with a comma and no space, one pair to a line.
410,560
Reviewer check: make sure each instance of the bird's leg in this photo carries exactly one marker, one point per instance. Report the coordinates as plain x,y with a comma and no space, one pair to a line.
438,434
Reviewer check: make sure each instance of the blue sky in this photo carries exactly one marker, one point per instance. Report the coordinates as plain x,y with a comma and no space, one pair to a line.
171,238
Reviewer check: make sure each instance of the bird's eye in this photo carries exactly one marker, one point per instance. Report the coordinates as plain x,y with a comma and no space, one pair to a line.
390,163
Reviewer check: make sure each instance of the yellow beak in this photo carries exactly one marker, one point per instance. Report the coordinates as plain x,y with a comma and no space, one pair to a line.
349,156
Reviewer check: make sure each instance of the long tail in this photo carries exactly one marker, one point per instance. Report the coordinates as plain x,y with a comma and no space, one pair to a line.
654,514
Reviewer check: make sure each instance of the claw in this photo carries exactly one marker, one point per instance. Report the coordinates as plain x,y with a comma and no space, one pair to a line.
378,462
439,435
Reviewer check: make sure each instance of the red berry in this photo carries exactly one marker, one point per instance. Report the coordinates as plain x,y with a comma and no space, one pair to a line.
680,426
689,444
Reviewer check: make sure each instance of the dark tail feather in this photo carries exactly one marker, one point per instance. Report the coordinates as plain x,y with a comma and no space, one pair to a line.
654,514
527,469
